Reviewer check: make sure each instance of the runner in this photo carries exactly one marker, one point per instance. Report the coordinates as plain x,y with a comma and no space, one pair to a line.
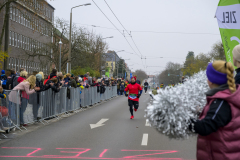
137,81
135,92
145,86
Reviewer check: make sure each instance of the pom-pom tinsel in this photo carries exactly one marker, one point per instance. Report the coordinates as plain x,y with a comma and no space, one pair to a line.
174,107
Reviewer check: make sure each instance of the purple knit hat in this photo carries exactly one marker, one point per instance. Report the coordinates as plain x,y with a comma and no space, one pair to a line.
215,76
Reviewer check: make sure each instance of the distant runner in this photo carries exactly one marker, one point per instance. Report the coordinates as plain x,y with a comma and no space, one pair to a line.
145,86
135,92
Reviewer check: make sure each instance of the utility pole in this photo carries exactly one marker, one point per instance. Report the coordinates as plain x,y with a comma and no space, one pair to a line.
117,69
70,38
6,43
115,60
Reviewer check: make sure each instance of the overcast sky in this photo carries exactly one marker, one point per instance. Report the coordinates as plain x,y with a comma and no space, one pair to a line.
185,16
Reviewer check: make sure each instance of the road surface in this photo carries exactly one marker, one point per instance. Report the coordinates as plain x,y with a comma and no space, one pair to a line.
113,136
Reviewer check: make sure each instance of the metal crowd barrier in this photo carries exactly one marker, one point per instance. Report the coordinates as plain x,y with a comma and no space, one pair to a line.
48,104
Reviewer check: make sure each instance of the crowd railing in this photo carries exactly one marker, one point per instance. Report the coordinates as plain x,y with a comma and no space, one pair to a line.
45,105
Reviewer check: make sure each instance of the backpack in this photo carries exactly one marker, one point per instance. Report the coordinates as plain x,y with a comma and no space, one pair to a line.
15,81
48,78
3,78
9,84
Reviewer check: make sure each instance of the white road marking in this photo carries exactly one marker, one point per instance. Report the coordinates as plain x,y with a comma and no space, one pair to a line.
147,123
102,121
145,139
98,124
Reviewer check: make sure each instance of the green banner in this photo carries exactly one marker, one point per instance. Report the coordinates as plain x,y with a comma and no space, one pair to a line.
228,16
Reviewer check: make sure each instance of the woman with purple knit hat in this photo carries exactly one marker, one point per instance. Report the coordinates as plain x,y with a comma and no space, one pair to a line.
236,62
218,126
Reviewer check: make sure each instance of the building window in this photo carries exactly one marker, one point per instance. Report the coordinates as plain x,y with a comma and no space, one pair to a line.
16,40
13,38
41,28
37,25
13,11
10,39
22,22
46,12
27,43
10,15
33,24
24,19
16,14
28,21
20,41
30,44
23,42
19,16
52,16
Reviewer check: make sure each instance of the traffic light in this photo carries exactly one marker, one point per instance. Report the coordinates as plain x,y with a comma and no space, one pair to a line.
168,74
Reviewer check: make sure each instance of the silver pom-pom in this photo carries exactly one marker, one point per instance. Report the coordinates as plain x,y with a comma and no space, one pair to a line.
173,107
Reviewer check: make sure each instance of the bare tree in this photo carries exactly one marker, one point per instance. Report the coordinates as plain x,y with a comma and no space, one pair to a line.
141,75
86,49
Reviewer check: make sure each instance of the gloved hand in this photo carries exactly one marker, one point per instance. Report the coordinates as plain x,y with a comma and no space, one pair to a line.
139,95
126,95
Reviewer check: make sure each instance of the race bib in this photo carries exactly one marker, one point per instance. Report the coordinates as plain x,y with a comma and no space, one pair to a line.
133,96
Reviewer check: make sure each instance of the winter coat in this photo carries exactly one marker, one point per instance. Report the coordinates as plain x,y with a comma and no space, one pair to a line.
67,80
40,85
102,89
23,86
3,77
94,84
145,85
3,95
133,89
237,77
122,87
55,87
20,79
118,85
73,83
224,142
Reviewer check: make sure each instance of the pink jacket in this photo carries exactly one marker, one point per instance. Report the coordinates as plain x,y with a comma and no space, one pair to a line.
223,144
23,86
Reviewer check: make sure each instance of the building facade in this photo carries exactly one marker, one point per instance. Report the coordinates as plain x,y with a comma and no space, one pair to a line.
111,57
30,33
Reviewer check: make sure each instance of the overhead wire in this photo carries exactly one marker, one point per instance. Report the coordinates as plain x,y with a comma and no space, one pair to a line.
113,24
158,32
123,27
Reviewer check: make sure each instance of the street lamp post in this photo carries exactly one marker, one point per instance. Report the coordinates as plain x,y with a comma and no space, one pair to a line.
60,44
108,37
70,39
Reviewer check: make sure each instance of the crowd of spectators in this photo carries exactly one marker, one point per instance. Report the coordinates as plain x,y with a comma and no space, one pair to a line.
12,81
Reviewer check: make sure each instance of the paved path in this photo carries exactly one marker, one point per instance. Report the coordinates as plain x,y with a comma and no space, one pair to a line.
115,137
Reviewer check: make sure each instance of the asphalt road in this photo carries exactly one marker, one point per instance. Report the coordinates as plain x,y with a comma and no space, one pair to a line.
119,137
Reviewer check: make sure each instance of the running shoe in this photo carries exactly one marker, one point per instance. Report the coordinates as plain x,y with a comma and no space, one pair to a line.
131,117
135,109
